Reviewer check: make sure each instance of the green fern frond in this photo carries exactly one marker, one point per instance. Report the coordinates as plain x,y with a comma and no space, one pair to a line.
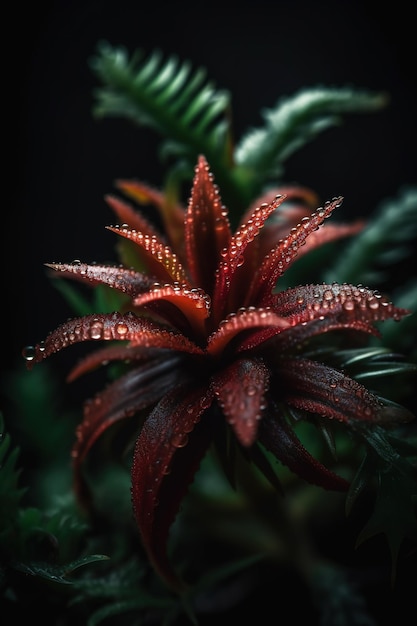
168,96
294,121
193,118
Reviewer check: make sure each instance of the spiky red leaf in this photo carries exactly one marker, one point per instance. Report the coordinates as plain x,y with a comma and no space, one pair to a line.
110,327
207,228
278,437
279,259
104,356
319,389
245,320
125,280
132,218
341,302
162,443
193,303
240,390
163,263
231,277
127,394
171,213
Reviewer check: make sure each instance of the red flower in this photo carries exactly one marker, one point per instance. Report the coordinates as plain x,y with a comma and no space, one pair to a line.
213,347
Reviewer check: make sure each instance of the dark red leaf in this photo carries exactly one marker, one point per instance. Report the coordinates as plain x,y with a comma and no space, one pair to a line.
279,438
206,228
111,327
162,448
279,259
245,320
322,390
127,281
240,389
162,261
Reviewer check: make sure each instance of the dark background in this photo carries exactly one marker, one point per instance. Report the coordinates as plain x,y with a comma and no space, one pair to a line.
63,161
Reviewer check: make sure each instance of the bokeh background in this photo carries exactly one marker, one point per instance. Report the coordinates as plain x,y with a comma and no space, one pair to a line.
63,161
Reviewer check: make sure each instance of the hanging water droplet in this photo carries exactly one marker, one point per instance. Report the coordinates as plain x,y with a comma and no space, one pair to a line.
179,440
29,353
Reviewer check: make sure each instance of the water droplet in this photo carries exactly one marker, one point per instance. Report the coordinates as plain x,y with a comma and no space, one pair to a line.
373,303
96,330
349,305
29,353
121,328
179,440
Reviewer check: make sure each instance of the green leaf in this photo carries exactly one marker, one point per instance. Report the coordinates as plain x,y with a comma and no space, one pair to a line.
193,118
166,95
101,299
395,484
389,368
294,122
58,573
78,303
35,395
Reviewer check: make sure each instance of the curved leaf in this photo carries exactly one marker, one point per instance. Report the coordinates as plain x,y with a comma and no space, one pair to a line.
294,121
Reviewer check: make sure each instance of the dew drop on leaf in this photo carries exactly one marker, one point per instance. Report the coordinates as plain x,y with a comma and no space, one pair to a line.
29,353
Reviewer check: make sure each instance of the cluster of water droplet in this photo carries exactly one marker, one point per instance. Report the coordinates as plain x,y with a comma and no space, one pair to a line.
158,250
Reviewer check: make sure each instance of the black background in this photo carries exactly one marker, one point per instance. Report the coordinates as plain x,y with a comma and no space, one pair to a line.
63,161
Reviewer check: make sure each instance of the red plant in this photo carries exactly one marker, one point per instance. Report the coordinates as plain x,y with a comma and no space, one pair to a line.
212,346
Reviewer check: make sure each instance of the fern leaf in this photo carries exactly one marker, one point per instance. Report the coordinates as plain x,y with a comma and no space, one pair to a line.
294,121
193,118
166,95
